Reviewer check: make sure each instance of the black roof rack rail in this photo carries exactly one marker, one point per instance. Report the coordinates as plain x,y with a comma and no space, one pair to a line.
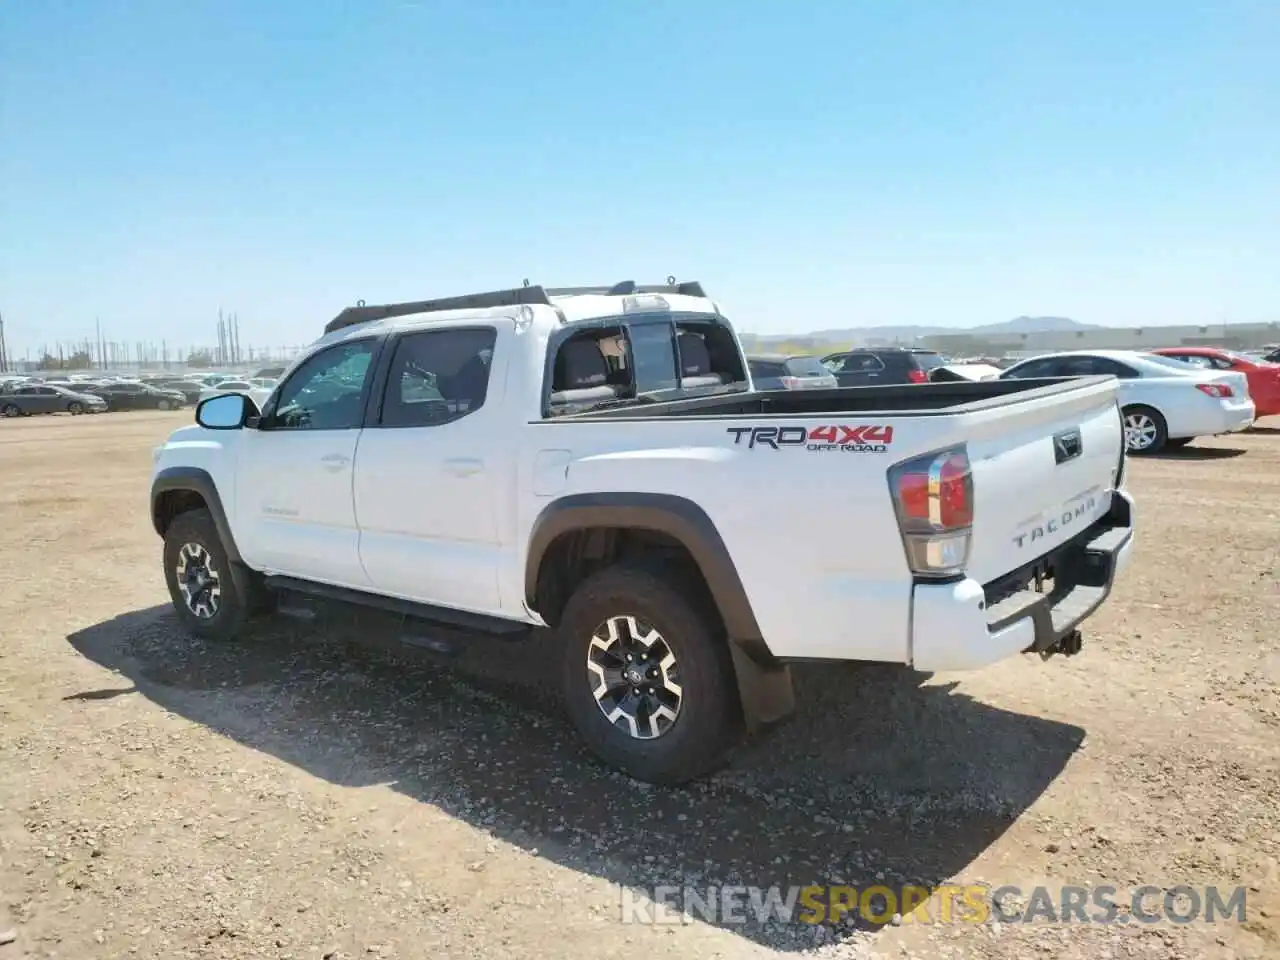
690,288
473,301
536,294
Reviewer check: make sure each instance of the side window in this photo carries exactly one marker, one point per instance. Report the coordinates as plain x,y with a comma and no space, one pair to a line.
862,363
1034,369
326,392
834,364
438,376
761,369
1221,363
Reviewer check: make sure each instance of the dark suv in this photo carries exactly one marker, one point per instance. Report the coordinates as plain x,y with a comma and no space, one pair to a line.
878,365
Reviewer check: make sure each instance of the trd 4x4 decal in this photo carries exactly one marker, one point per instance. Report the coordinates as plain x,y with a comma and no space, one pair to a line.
863,438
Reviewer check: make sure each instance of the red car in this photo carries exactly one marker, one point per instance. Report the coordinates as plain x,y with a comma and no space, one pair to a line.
1264,378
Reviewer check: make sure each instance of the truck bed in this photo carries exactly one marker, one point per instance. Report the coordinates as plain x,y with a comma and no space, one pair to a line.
902,400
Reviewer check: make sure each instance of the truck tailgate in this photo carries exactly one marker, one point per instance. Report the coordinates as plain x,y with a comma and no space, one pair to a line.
1043,471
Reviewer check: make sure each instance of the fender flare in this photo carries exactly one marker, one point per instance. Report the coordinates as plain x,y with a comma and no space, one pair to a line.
764,683
193,480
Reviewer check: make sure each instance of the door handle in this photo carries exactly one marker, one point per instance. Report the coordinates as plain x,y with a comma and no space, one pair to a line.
335,461
464,466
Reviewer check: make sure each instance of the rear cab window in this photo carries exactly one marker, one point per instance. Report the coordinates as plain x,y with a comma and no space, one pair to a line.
624,360
926,360
806,367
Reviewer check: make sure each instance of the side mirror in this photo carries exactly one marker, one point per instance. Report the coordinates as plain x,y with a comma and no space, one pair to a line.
227,411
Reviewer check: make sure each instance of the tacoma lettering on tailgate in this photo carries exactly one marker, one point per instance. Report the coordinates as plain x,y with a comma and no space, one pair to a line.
862,438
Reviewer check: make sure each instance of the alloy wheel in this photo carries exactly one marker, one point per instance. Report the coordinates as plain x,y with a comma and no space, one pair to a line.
634,677
1139,431
199,581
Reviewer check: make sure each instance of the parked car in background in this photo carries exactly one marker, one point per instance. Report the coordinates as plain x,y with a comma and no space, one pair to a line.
876,366
25,400
190,389
1272,356
1263,377
258,394
126,395
1165,403
776,372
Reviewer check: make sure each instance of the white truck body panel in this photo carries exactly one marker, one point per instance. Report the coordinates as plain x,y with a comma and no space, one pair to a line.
444,514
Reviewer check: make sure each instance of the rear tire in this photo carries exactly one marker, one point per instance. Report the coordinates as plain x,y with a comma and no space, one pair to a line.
684,664
1145,430
10,410
210,594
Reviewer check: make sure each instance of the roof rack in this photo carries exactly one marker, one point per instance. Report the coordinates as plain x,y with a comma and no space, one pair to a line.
536,294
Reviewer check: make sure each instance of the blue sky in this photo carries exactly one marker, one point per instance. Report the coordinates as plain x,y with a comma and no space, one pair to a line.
816,165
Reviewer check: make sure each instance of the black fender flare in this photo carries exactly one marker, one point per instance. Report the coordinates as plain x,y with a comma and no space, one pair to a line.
764,683
194,480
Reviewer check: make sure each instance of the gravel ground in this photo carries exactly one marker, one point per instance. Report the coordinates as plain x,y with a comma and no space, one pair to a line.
315,793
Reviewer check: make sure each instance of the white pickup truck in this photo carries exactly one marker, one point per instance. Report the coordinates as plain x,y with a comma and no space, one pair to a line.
594,460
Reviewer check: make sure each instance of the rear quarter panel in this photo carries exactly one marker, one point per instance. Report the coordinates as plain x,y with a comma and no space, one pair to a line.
811,529
812,534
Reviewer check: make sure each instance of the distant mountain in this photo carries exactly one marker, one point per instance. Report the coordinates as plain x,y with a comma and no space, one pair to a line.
1035,325
906,334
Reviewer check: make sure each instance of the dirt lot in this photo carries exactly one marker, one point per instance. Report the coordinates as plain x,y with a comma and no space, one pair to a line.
303,796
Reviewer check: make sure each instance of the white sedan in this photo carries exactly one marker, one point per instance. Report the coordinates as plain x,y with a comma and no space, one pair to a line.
1165,402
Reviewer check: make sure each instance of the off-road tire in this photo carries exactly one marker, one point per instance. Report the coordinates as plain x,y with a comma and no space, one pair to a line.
709,721
236,590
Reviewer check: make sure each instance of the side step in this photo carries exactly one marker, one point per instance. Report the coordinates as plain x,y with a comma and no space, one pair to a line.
295,590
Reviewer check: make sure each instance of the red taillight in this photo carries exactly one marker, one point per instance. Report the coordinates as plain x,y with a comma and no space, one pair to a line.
933,496
955,492
1219,391
917,376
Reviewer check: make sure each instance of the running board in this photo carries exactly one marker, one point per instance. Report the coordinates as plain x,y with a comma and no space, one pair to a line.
440,616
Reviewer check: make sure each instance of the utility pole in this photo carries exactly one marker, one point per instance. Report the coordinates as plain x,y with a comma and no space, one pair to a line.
4,351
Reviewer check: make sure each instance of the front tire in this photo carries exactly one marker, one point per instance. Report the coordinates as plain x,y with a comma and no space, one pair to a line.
75,408
208,592
647,677
162,404
1145,430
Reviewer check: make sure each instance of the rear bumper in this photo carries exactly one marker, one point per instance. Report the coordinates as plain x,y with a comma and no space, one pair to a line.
1227,417
964,625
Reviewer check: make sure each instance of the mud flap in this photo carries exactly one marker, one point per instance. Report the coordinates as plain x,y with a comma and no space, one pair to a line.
766,692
